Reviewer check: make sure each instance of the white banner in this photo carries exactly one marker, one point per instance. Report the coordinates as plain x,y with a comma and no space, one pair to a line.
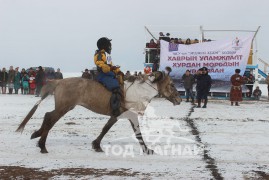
220,57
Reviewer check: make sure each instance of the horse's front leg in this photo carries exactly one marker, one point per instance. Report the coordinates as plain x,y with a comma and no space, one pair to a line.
133,118
96,143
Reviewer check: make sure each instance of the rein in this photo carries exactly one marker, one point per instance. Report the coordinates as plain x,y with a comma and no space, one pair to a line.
143,82
151,86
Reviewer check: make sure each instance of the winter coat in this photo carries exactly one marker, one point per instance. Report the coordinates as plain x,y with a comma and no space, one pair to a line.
3,77
250,79
103,62
22,75
203,82
50,75
25,82
17,79
40,78
86,75
203,85
11,76
257,92
32,83
58,75
236,89
155,67
188,81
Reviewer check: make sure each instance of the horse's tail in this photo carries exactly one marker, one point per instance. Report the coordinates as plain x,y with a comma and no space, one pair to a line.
46,90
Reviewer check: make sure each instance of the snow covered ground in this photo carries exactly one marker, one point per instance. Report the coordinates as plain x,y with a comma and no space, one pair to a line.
190,143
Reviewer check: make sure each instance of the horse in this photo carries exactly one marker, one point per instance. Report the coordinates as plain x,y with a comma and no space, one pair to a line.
70,92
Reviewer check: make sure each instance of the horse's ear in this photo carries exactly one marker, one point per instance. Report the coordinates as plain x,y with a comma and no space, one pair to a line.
158,75
168,70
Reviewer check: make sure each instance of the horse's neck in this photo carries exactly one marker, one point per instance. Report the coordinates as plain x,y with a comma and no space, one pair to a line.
139,94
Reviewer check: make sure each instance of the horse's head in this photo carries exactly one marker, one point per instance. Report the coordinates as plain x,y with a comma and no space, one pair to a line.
166,87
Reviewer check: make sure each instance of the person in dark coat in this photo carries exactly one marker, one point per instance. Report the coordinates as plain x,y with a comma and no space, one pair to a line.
86,74
236,89
250,82
3,80
188,81
58,74
155,66
257,93
50,75
40,79
203,86
10,80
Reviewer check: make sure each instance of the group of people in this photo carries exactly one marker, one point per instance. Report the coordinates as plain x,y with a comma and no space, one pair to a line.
236,90
203,80
27,81
188,41
153,47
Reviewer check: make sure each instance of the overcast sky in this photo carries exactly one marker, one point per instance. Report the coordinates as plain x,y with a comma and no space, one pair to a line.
63,33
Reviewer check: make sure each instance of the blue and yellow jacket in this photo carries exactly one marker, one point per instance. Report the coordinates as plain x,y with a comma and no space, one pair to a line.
100,60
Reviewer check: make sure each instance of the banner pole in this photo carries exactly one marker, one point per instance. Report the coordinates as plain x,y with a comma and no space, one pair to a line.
150,33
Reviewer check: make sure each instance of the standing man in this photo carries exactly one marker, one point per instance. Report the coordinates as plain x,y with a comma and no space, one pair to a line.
267,81
3,80
17,80
236,89
40,79
86,74
203,86
58,74
188,85
10,80
250,82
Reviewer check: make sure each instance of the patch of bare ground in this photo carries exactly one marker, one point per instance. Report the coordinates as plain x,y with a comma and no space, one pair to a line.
17,172
256,175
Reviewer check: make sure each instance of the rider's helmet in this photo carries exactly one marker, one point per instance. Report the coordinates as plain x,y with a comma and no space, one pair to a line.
104,43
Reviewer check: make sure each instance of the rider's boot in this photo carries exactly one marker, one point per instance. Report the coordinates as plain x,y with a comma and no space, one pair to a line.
115,101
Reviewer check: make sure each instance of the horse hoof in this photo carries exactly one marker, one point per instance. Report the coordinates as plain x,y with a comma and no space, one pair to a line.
44,151
34,135
149,152
99,150
96,146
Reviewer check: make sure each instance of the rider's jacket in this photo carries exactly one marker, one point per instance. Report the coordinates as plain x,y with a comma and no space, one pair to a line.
103,62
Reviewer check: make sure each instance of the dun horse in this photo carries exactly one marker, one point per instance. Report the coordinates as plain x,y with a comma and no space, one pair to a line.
95,97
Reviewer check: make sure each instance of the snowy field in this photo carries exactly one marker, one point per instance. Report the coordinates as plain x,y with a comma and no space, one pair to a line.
221,141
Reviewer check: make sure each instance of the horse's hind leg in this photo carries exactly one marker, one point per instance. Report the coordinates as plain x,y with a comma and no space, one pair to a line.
38,133
49,120
96,143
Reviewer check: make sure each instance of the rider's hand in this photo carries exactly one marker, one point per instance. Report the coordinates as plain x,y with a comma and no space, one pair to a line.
112,68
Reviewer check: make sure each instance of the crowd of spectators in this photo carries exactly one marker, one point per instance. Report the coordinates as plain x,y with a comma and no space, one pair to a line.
28,81
153,47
